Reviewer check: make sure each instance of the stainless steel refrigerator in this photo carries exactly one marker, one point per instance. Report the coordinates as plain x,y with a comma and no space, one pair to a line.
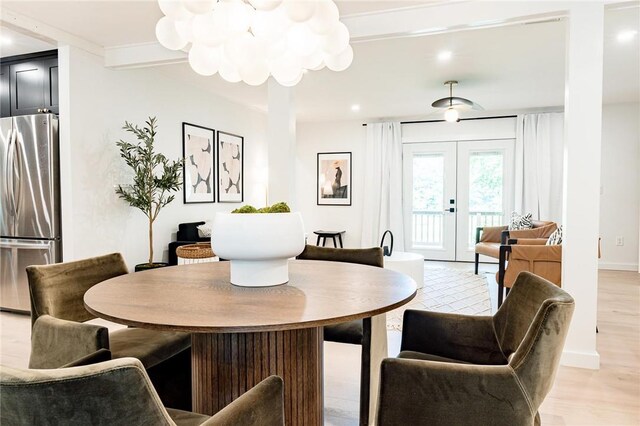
30,201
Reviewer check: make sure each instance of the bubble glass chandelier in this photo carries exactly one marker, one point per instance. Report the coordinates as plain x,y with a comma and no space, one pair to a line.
251,40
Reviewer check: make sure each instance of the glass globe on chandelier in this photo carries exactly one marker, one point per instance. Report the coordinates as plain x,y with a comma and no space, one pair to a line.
250,40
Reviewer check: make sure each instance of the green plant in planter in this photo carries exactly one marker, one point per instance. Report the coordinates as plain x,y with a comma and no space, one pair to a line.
155,176
280,207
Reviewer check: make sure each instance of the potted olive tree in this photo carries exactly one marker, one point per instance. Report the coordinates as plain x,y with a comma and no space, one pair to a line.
155,178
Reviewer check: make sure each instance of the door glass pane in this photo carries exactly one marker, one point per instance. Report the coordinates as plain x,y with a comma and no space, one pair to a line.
428,200
486,175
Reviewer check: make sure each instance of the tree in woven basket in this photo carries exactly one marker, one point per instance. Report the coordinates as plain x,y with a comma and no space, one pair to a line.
155,177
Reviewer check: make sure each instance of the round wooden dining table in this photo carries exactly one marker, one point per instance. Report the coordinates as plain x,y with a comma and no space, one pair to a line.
241,335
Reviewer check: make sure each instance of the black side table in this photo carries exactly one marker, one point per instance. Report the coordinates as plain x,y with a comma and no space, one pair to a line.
329,234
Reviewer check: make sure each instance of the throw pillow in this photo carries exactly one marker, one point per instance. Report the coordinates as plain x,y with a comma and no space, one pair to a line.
520,222
555,238
204,231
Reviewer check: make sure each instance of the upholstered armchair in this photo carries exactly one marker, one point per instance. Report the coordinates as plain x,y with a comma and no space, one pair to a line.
478,370
119,392
528,254
489,238
60,334
357,332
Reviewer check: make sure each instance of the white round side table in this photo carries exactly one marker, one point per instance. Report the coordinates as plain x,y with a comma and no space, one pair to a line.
411,264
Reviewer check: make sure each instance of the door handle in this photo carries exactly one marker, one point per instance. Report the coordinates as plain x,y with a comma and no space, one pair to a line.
10,184
450,210
17,148
24,245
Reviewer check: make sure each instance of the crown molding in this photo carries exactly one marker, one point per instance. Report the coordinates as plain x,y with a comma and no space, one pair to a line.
141,55
37,29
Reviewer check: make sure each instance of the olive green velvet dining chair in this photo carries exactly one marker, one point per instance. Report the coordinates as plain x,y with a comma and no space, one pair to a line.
478,370
60,334
119,393
357,332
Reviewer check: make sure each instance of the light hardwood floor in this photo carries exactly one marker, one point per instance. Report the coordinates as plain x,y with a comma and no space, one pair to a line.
609,396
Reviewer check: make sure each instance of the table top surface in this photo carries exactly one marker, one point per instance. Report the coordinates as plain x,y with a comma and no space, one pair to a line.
199,297
320,232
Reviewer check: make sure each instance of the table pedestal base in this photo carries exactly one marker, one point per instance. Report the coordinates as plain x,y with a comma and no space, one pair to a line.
227,365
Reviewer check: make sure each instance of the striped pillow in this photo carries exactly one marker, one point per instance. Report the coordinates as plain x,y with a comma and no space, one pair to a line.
555,238
520,222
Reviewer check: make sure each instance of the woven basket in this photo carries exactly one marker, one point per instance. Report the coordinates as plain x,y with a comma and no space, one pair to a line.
195,251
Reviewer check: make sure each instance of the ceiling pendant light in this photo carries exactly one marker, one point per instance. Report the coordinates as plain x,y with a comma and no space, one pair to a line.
454,104
249,40
451,115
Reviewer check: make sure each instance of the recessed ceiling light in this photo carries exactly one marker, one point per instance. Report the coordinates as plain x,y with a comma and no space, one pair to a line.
445,55
355,107
6,40
628,35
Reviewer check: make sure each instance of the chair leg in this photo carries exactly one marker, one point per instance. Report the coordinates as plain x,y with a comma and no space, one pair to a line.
502,260
172,380
477,261
334,242
340,240
365,372
318,241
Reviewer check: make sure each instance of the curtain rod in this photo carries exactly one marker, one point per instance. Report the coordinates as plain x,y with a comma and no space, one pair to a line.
462,119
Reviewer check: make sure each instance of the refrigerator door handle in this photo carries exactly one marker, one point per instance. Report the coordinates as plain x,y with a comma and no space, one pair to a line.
9,185
14,244
17,184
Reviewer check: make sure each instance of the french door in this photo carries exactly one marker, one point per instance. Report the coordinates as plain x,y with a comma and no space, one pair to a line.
451,188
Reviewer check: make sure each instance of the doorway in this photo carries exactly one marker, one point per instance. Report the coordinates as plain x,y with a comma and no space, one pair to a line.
450,189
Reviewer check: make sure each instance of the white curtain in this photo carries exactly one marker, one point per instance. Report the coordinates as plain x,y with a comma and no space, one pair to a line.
539,163
383,185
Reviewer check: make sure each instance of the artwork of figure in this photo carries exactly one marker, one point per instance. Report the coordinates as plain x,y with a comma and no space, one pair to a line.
334,178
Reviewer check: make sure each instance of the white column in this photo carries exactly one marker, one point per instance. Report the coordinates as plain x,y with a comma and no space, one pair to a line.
65,61
281,144
582,134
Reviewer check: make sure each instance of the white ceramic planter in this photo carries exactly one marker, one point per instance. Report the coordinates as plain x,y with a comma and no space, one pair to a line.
258,245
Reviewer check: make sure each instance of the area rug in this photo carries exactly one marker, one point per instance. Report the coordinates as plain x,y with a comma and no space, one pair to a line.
447,290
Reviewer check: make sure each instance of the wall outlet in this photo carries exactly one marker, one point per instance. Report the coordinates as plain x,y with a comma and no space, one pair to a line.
619,241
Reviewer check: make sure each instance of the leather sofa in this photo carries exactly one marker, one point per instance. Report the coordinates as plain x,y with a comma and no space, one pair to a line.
187,234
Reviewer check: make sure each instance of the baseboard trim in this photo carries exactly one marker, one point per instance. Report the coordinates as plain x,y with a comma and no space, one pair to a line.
589,360
615,266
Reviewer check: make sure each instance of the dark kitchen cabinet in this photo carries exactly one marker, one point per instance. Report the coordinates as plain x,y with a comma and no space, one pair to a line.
32,84
51,85
26,86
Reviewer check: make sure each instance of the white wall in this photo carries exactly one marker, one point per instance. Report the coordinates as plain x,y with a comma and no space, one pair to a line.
95,102
313,138
619,199
619,207
350,136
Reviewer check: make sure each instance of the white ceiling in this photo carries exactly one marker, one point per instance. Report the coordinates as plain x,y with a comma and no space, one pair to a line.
505,68
15,43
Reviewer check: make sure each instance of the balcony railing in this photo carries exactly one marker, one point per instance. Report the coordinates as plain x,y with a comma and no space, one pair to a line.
428,226
477,219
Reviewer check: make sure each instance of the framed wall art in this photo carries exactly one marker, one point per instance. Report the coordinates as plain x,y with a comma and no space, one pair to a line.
230,168
198,177
334,179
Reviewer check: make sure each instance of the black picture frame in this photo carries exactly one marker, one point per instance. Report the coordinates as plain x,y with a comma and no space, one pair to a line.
192,156
224,180
330,190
